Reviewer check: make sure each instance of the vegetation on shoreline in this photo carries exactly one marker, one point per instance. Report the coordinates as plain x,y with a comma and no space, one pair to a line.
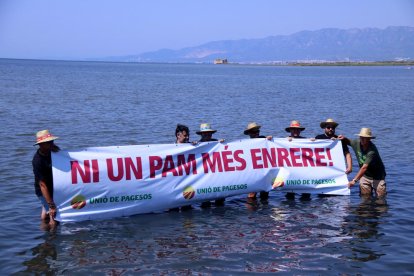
354,63
407,63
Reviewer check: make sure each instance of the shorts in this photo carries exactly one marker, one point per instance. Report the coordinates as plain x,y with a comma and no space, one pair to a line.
367,185
44,203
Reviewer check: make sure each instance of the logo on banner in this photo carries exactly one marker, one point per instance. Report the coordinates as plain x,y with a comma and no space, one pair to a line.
78,202
188,193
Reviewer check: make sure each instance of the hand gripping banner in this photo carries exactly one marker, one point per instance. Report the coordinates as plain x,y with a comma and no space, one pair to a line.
104,182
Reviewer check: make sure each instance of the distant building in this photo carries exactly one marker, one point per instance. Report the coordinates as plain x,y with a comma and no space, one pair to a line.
220,61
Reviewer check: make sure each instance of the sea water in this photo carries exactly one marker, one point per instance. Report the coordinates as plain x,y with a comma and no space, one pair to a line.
105,104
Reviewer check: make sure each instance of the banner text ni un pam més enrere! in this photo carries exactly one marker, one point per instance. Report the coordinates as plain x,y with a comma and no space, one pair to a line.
105,182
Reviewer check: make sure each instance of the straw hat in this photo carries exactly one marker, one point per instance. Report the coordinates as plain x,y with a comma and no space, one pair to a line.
250,127
44,136
329,122
205,127
294,124
365,132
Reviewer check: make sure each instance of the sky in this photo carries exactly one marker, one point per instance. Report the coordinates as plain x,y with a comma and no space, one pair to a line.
78,29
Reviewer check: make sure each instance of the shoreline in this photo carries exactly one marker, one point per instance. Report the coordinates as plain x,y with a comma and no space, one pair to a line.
356,63
333,63
408,63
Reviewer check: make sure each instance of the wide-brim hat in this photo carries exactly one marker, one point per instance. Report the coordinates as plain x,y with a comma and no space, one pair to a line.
205,127
329,122
250,127
294,124
365,132
44,136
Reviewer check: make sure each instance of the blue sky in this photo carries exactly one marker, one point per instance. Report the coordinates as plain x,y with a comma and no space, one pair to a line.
76,29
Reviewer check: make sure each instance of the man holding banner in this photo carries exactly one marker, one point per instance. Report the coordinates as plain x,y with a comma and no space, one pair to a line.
253,131
42,170
182,135
206,132
371,174
329,127
295,130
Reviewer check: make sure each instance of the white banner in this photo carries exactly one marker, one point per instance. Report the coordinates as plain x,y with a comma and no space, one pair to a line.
104,182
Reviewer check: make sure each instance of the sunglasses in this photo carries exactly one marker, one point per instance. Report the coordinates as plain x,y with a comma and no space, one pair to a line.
330,127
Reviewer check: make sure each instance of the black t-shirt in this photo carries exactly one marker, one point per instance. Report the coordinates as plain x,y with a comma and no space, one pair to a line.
211,140
344,146
42,170
323,136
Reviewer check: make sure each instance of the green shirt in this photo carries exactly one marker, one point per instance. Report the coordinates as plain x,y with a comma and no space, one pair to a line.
371,157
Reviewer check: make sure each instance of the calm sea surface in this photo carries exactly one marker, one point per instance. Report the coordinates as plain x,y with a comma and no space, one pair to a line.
105,104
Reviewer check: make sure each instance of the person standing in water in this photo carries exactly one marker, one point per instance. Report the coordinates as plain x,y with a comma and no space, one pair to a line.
42,170
253,131
371,174
295,130
329,127
182,136
206,132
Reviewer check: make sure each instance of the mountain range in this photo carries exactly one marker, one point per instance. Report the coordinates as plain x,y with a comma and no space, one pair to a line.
367,44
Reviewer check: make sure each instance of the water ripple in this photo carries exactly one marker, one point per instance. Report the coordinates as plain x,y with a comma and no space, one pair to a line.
102,104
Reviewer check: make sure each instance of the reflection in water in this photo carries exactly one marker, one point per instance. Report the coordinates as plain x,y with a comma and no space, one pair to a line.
363,225
253,236
301,233
253,204
44,254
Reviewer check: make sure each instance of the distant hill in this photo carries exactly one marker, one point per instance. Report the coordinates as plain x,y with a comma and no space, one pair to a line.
368,44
